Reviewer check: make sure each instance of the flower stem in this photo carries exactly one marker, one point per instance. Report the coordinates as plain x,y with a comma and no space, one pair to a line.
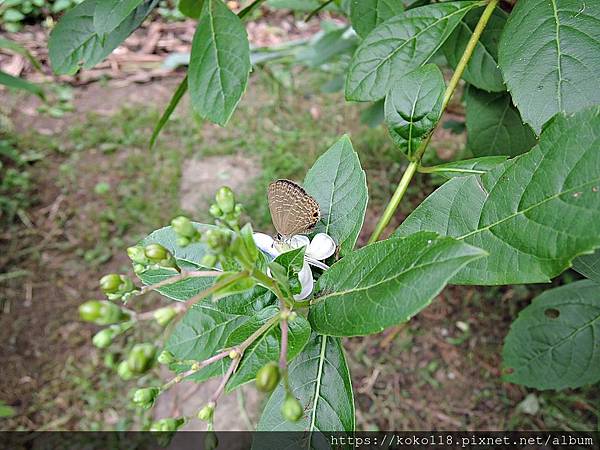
195,368
413,165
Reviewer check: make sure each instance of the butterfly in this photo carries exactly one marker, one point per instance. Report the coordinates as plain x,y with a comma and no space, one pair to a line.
293,211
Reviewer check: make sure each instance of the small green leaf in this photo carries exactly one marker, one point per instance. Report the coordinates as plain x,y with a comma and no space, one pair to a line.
219,63
265,348
234,285
386,283
319,378
5,410
589,266
74,43
553,344
494,126
338,183
413,107
109,14
191,8
400,45
549,54
482,70
17,48
534,213
367,14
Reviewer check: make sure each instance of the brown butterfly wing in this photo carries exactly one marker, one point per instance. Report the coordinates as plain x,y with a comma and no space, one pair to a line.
293,211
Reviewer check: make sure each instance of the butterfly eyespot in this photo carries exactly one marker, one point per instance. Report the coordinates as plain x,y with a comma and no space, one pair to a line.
316,214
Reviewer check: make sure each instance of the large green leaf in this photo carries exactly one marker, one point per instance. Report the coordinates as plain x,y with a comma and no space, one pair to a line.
549,54
386,283
338,183
494,125
413,106
534,214
74,42
219,63
399,45
109,14
319,378
367,14
589,266
482,70
191,8
553,344
267,347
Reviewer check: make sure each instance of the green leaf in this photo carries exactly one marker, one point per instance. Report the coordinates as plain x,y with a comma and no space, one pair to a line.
400,45
549,55
219,63
386,283
20,83
266,348
413,106
109,14
467,167
327,47
482,70
534,214
319,378
234,286
338,183
494,126
191,8
553,344
589,266
74,43
367,14
187,258
166,115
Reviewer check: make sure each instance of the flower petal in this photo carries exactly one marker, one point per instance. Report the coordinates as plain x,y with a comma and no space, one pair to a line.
266,244
306,282
321,247
298,241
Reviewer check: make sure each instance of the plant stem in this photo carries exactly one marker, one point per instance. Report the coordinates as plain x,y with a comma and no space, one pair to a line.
226,377
413,165
215,287
284,344
195,368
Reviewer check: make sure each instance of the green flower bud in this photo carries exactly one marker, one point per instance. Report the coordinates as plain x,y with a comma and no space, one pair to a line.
209,260
103,338
145,397
156,252
169,424
183,241
137,255
166,357
239,209
217,240
210,441
207,412
225,199
110,360
291,409
110,313
183,227
110,283
141,357
215,211
164,315
90,311
124,372
267,377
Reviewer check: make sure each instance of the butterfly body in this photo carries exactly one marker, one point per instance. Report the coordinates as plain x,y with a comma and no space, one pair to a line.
293,211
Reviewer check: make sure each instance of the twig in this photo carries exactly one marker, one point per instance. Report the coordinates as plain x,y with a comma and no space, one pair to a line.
226,377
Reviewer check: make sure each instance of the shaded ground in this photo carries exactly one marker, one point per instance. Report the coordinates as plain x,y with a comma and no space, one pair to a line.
97,189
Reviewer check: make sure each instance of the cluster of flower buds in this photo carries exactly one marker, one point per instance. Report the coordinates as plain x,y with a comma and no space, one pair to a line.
185,230
151,256
225,209
117,287
102,312
140,359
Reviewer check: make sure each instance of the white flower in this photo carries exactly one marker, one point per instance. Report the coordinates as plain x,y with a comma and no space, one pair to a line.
319,249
